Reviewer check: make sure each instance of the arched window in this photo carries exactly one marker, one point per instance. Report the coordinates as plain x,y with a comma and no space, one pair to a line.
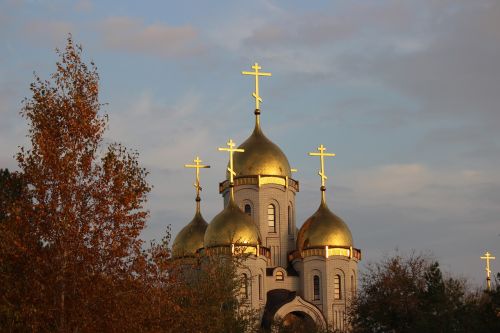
248,209
271,217
244,285
280,276
260,286
337,291
290,220
316,288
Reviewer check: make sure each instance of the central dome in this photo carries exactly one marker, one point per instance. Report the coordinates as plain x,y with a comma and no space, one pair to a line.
261,157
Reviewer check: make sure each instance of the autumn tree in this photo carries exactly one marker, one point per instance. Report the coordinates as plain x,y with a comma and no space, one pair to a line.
201,294
80,215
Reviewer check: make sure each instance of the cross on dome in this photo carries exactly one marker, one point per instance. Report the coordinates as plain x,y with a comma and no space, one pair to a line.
321,173
230,168
488,257
256,73
197,166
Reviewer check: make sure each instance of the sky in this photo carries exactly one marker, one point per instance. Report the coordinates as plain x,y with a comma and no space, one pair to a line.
406,93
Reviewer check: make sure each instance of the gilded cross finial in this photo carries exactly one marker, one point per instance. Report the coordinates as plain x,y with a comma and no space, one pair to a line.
256,73
230,168
321,173
197,166
488,257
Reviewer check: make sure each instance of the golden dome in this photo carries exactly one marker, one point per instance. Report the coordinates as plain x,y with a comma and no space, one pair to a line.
190,238
261,157
232,226
324,228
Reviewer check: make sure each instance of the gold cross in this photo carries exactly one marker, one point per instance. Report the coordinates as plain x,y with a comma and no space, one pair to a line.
197,166
231,151
322,155
256,95
488,257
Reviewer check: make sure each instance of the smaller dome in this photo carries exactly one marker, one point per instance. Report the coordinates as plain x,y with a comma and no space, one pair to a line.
232,226
324,228
190,238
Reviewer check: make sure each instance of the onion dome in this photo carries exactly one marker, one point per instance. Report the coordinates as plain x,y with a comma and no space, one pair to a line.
232,226
261,157
190,238
324,228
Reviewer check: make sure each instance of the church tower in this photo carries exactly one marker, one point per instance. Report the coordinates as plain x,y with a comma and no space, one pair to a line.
305,277
264,188
326,259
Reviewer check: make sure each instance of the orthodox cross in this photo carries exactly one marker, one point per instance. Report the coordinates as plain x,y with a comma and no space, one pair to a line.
197,166
321,173
231,151
488,257
256,73
322,155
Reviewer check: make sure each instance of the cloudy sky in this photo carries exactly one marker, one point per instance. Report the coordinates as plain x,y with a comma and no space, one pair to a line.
406,93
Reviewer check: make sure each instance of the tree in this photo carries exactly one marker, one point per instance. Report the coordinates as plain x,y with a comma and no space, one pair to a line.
409,294
196,294
11,187
486,308
81,213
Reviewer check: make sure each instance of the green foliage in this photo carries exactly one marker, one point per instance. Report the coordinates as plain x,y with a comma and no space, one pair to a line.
410,294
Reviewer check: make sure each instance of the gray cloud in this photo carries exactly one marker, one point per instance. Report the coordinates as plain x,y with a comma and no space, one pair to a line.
43,31
158,39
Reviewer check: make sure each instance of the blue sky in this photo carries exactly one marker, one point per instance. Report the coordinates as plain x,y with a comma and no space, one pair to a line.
406,93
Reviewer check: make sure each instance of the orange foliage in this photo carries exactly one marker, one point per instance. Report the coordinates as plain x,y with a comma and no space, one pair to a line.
71,259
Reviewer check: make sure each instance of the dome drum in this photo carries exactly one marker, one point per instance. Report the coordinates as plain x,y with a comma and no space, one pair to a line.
327,251
260,180
238,249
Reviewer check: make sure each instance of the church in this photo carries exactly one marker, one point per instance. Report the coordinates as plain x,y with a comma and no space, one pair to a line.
290,274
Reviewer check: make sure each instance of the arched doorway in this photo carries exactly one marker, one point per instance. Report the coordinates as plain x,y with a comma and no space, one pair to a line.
301,314
287,312
297,321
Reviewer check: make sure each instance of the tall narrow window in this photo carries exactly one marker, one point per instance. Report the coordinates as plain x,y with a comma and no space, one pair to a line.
248,209
290,220
316,290
337,292
271,217
353,286
244,285
260,286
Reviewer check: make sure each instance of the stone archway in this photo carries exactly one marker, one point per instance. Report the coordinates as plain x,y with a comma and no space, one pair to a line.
300,313
298,322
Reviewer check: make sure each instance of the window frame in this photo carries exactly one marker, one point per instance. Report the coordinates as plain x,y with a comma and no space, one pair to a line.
271,228
316,288
290,220
249,212
337,287
245,285
260,287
